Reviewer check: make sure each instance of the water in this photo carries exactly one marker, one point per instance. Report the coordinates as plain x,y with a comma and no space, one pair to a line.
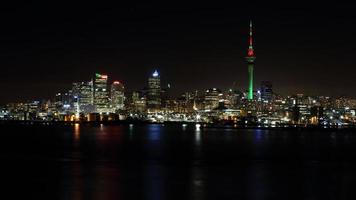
175,162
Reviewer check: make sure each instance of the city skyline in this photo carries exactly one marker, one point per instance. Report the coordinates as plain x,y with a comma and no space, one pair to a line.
300,50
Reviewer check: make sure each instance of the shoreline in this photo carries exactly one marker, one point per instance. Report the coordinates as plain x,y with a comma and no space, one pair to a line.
201,125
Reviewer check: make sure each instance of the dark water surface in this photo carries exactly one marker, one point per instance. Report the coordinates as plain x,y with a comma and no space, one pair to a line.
174,162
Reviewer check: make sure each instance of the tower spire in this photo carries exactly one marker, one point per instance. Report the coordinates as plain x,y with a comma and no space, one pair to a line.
250,52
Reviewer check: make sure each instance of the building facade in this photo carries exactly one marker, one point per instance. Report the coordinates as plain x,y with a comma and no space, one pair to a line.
101,95
154,92
117,96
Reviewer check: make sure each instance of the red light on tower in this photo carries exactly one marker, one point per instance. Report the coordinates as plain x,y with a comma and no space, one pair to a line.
250,51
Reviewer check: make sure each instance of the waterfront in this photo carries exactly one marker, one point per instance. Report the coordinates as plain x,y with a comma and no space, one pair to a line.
155,161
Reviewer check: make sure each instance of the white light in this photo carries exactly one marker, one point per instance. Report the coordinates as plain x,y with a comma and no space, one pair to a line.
155,73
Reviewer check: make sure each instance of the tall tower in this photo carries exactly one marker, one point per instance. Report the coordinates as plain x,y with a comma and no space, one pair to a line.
154,92
101,94
117,96
250,58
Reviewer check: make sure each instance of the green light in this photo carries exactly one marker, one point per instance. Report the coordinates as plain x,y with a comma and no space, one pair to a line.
98,75
250,85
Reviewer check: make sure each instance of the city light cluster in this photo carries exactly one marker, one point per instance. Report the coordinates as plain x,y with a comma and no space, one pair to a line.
99,100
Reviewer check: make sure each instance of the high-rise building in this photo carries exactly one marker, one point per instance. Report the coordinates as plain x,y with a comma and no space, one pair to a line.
63,101
117,96
138,102
250,64
231,98
83,91
154,92
266,91
212,98
101,95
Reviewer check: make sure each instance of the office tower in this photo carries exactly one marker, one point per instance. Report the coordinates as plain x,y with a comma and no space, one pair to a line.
117,96
154,92
211,99
266,91
138,102
250,64
83,92
75,98
63,101
231,98
101,96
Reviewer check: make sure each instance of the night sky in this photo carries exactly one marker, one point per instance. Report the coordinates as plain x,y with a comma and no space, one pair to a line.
300,48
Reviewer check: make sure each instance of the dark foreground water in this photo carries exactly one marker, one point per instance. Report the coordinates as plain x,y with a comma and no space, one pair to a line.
175,162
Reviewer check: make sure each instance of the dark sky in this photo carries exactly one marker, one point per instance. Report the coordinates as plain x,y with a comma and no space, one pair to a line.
302,48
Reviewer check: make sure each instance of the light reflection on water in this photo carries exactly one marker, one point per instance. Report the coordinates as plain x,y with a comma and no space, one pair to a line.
76,132
197,135
162,162
154,132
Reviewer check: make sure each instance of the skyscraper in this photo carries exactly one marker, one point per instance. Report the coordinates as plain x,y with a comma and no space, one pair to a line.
266,91
84,93
117,96
212,98
101,97
250,63
154,92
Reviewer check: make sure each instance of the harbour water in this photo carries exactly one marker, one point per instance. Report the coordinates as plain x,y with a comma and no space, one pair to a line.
155,161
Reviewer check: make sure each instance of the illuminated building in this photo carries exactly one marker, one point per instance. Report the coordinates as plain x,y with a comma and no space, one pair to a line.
232,98
63,101
212,98
250,63
138,102
117,95
101,96
32,109
154,92
266,91
83,96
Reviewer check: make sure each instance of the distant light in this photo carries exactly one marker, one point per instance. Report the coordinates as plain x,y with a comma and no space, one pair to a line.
116,82
155,73
97,75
